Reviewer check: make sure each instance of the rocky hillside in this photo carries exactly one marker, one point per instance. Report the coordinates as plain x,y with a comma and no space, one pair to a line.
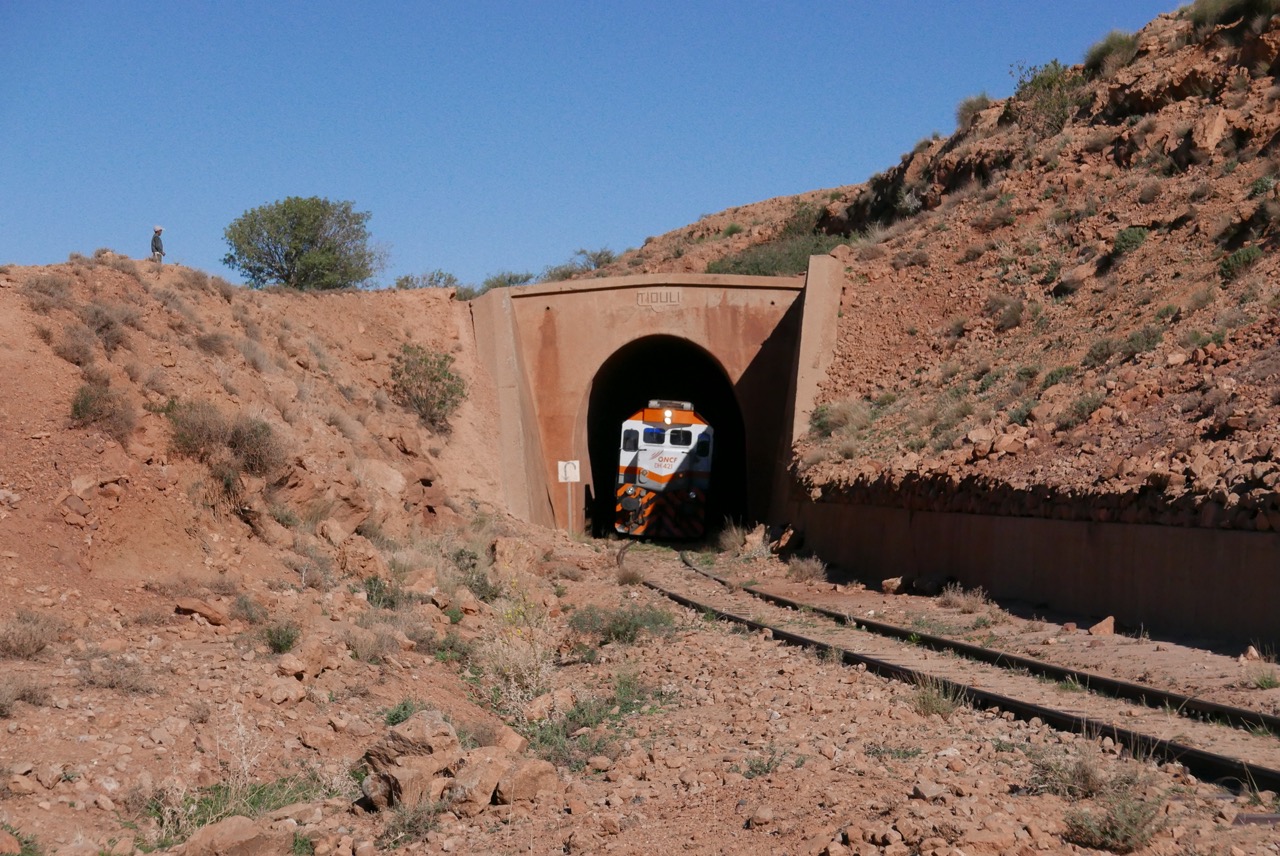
1074,295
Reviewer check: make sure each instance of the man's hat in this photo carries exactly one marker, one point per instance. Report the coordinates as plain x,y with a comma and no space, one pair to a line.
159,228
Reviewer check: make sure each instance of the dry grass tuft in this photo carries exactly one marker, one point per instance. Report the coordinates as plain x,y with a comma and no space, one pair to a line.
807,569
27,634
968,602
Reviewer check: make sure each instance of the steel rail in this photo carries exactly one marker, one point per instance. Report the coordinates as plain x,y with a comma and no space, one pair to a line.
1208,766
1143,694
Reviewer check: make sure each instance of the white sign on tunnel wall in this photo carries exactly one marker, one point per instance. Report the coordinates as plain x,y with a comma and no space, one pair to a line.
658,298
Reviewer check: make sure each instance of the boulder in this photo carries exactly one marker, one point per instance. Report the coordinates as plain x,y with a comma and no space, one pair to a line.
527,779
477,780
238,836
195,606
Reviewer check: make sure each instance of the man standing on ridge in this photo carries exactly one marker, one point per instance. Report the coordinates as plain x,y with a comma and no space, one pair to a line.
157,246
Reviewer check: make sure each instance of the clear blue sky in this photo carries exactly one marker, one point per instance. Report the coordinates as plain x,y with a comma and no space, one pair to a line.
481,136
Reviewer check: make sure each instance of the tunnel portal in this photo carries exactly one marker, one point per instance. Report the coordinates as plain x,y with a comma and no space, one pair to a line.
669,367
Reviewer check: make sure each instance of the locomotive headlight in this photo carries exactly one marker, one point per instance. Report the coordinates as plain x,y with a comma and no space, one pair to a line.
631,491
666,416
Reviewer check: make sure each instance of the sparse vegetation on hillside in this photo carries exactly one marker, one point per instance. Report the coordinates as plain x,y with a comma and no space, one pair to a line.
424,381
1114,51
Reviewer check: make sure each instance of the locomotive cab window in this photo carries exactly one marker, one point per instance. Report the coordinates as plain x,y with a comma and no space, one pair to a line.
654,436
704,446
630,440
681,437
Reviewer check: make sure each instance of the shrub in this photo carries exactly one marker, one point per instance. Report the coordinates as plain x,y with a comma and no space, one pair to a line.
248,610
48,291
1140,341
1020,413
218,344
968,109
807,569
281,636
1099,352
423,381
76,345
1126,823
1128,240
108,323
1214,13
26,635
1113,52
1239,262
1081,409
96,404
936,696
1047,96
786,256
1005,310
840,416
433,279
117,673
254,445
1262,186
968,602
200,430
619,625
401,712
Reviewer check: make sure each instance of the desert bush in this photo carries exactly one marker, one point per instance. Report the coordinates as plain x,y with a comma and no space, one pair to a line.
217,344
1149,192
1238,262
1046,96
732,538
787,256
14,690
27,634
629,577
968,109
108,323
1080,409
1099,352
175,813
48,291
955,596
936,696
1262,186
1140,341
1110,54
281,636
200,431
76,345
122,673
423,381
1005,310
402,711
807,569
840,417
1074,777
97,404
1125,823
253,443
248,610
584,730
1205,14
1128,240
624,625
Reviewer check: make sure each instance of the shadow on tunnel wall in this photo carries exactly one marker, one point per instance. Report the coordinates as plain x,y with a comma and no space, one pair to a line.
673,368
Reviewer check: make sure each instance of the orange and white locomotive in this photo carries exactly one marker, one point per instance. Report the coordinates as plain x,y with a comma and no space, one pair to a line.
664,472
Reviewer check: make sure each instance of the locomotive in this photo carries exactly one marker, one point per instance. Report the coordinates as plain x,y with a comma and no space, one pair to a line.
664,472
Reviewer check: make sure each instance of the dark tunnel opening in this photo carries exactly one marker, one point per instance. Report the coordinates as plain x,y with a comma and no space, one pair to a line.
672,368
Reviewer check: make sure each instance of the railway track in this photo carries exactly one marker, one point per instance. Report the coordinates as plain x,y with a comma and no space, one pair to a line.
1235,747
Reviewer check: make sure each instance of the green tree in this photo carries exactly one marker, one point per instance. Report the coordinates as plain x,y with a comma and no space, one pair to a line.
310,244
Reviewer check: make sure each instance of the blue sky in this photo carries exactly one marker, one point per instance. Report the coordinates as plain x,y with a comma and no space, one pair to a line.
481,136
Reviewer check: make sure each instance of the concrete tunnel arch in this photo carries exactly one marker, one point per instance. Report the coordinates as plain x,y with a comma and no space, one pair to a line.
665,366
564,363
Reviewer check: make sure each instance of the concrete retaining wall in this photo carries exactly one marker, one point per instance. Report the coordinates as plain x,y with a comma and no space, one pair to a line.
1186,582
